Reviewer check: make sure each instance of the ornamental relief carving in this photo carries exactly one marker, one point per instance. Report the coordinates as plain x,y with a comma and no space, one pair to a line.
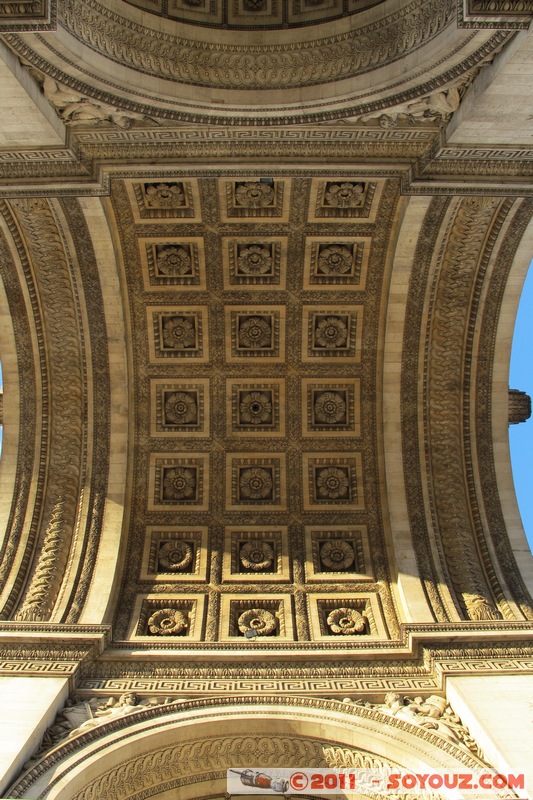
459,263
429,718
62,332
254,424
229,67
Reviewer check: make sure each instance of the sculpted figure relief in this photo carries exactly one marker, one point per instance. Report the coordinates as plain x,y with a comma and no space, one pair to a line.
434,714
75,109
79,716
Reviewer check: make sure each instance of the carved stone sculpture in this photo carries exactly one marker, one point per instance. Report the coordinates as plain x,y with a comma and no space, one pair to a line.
260,620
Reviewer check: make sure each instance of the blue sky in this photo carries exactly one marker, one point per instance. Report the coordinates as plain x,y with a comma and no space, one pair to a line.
521,377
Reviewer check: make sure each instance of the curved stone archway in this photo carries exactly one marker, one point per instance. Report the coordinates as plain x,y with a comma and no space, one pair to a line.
190,745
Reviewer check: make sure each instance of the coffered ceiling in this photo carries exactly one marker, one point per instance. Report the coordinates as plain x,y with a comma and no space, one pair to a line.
257,326
257,317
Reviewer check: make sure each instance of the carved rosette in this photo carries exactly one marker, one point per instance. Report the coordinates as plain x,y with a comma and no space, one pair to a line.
335,260
173,261
255,332
176,556
337,555
331,332
332,483
346,621
164,195
254,260
167,622
330,408
255,483
256,555
179,483
180,408
255,408
254,195
179,333
260,620
345,195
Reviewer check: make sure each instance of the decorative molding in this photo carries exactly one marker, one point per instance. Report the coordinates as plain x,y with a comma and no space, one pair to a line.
458,262
27,15
82,714
26,320
431,721
495,14
62,329
253,14
444,170
46,649
281,66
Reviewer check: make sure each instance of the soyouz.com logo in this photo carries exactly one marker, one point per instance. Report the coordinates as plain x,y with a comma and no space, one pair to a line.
379,781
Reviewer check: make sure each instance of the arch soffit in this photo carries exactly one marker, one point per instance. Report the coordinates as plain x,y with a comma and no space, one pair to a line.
152,751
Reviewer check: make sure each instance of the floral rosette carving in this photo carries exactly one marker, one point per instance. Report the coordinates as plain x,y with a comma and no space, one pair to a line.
337,555
180,408
176,556
255,332
331,332
345,195
173,261
330,408
167,622
255,408
259,620
332,483
164,195
179,333
335,260
255,483
346,621
256,555
179,483
254,195
254,260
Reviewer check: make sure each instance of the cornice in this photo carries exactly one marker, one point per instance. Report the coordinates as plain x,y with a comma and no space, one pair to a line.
30,649
28,15
494,14
419,155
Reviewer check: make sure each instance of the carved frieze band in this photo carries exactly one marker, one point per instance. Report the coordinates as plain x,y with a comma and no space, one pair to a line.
459,261
27,15
310,63
430,720
25,319
449,171
495,14
99,378
54,281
